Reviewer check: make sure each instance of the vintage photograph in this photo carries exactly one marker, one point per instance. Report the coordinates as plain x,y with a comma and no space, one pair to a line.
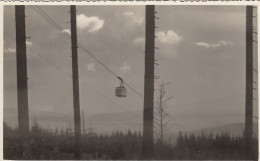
130,82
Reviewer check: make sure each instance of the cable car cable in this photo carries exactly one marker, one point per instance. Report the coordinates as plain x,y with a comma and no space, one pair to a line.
109,98
82,47
44,14
68,74
45,59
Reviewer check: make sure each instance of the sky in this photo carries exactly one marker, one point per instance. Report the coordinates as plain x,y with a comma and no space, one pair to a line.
201,52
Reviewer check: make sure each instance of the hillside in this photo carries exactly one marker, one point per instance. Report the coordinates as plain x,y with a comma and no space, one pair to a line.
109,122
235,129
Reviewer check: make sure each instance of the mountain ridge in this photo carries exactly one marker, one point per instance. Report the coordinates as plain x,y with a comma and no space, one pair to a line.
109,122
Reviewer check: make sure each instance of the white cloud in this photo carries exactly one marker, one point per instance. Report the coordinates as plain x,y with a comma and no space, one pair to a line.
139,40
28,43
138,19
29,54
216,45
66,31
92,24
169,37
91,67
125,68
10,50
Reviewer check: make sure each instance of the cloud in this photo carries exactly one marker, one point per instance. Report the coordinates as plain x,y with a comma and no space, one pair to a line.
92,24
139,40
169,37
125,68
216,45
138,19
66,31
28,43
10,50
91,67
29,54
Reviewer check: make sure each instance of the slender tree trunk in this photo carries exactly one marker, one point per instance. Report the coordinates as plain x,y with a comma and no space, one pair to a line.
249,81
161,113
22,86
75,82
147,149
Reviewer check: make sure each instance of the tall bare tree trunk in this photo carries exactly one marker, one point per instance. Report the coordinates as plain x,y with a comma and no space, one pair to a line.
249,81
22,86
75,82
147,150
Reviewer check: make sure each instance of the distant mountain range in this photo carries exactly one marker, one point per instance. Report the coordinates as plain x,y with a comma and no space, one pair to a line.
233,130
121,121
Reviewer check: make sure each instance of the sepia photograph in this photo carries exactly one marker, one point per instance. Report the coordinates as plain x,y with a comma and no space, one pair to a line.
130,82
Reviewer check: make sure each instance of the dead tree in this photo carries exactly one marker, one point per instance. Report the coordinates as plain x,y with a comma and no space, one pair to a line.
75,76
160,115
22,84
249,81
147,148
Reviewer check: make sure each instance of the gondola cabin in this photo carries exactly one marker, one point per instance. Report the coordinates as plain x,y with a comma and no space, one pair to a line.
121,90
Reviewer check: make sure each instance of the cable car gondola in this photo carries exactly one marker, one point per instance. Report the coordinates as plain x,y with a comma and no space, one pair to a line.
121,90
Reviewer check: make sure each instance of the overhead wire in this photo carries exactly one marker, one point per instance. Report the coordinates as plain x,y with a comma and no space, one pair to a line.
45,59
53,23
42,13
104,96
69,74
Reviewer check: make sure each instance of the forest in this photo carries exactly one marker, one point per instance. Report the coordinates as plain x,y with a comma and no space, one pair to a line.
57,144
